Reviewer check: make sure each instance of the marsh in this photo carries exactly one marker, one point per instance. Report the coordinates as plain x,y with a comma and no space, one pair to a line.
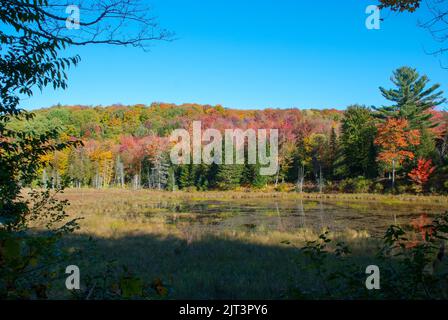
225,244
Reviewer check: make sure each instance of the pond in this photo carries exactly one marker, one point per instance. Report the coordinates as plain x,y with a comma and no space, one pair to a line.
225,246
287,215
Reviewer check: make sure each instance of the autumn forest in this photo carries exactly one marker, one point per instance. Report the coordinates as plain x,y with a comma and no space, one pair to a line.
401,148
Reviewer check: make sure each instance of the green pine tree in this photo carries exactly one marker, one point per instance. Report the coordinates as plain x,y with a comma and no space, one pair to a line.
185,176
171,179
251,176
229,176
200,172
412,98
212,175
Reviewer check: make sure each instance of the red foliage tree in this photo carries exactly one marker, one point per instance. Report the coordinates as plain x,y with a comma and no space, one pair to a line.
420,175
422,224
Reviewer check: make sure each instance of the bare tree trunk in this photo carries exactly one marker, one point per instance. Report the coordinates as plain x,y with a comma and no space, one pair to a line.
97,181
44,178
321,180
174,181
136,181
52,179
276,176
159,182
119,173
300,178
58,180
393,174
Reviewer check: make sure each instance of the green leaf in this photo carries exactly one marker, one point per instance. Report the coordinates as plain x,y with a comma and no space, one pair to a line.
131,287
12,249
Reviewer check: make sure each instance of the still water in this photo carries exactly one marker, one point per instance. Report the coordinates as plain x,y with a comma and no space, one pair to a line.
261,215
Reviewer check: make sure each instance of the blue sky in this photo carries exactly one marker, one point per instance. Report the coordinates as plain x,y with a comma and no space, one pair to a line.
251,54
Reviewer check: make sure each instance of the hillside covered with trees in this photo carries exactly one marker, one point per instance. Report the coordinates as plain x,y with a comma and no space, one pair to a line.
401,147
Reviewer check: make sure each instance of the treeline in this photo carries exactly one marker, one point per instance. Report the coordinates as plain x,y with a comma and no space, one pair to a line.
398,148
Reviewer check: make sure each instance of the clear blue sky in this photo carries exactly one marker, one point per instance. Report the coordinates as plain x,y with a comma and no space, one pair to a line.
255,54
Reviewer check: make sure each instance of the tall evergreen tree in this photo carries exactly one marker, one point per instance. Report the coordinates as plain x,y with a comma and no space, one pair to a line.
212,175
200,176
251,176
412,98
185,176
171,179
229,176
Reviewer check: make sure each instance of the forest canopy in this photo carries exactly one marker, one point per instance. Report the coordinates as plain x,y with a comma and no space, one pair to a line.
319,150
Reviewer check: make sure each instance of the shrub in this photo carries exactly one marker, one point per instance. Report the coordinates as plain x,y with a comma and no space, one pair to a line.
330,187
356,185
190,189
346,185
378,188
283,187
361,185
402,188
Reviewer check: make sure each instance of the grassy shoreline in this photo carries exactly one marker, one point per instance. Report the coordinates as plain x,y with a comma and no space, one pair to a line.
253,194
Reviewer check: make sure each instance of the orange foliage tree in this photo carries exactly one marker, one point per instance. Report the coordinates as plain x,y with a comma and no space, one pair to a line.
394,139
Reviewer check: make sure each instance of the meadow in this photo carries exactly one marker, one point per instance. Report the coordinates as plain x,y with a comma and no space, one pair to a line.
232,245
